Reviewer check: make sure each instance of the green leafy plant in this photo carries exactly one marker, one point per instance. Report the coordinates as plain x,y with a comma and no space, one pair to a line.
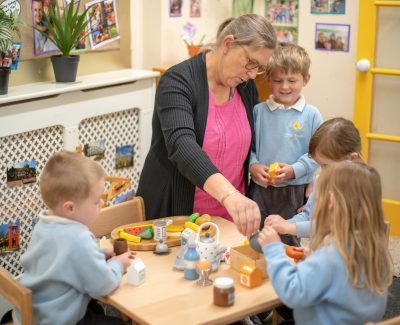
8,25
67,30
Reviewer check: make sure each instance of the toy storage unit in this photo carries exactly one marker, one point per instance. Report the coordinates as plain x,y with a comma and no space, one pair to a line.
38,119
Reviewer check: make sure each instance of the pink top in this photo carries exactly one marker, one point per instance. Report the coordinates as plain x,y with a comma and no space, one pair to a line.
227,141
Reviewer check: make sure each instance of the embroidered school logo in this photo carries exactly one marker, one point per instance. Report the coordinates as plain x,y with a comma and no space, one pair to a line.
297,125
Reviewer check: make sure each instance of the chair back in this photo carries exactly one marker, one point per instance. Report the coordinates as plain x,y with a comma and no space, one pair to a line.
17,295
117,215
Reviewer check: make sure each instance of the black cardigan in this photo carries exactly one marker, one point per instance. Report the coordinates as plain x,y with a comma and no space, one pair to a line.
176,162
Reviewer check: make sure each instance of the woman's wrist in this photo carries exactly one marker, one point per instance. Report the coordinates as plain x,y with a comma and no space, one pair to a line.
233,191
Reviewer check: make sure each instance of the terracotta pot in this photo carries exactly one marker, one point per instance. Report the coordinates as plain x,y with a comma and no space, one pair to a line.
193,49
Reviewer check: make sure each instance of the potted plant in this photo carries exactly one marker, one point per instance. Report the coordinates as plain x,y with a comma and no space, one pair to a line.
189,32
65,28
9,23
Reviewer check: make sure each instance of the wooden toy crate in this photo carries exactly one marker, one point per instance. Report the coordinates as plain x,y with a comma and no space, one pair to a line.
241,255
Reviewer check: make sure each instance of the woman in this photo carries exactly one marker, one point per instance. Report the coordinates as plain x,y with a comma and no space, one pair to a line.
203,128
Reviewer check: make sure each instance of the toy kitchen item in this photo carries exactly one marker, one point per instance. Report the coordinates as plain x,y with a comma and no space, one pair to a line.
191,259
136,272
160,229
209,247
161,248
254,243
179,261
224,292
204,270
120,246
250,276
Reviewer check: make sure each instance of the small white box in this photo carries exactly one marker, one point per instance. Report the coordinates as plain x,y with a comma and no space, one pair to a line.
137,272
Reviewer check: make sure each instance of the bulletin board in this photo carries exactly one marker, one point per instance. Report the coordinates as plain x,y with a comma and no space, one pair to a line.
30,50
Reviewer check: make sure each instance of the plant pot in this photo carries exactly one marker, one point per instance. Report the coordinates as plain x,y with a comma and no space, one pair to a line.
4,77
193,49
65,67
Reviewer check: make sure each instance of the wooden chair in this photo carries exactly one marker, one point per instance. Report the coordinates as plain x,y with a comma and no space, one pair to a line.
117,215
18,295
391,321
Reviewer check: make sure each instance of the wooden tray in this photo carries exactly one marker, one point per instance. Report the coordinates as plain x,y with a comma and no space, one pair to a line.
150,244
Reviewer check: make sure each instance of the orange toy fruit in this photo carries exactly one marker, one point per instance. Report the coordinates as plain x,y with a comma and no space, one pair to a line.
292,252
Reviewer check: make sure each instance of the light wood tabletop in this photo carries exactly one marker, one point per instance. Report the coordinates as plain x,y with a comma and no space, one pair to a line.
167,298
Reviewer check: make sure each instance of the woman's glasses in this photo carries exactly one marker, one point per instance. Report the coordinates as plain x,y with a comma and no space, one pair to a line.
252,64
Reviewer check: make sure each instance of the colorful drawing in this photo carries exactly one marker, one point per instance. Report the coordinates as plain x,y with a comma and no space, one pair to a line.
195,8
123,156
9,237
21,173
175,8
103,23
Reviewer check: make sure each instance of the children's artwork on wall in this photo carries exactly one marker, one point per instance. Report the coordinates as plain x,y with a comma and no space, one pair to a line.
10,58
103,23
283,15
123,156
332,37
175,8
328,6
9,237
195,8
10,6
95,150
21,173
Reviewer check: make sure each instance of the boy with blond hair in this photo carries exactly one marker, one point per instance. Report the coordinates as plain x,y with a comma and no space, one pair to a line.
63,265
284,125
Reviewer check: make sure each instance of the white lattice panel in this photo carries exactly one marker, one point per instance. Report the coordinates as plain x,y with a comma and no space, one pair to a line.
118,129
24,202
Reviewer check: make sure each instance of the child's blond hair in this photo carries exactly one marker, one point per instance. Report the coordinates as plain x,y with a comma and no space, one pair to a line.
289,57
335,139
68,176
348,212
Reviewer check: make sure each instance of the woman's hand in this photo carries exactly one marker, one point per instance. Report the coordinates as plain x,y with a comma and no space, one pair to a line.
245,213
260,173
267,236
281,225
284,173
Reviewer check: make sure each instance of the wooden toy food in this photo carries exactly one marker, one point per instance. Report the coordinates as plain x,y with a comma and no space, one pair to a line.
292,252
273,168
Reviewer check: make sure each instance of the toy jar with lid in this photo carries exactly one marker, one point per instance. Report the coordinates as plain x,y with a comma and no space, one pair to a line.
209,247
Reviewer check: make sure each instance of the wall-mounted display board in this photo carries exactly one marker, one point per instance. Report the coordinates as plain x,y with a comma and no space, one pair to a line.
103,26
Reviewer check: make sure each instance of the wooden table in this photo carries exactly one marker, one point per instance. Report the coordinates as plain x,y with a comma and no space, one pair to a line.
167,298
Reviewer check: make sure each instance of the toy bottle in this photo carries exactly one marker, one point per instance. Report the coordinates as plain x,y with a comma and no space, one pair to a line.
191,259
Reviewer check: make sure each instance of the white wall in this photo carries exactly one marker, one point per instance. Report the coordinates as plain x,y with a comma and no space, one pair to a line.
331,87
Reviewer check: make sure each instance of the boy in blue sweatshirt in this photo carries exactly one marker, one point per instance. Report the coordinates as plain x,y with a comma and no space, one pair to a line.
284,125
345,280
63,265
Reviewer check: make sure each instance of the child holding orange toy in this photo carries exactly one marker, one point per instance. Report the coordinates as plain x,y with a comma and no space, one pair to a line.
345,278
279,163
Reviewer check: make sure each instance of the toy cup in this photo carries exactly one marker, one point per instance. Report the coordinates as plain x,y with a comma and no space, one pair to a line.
120,246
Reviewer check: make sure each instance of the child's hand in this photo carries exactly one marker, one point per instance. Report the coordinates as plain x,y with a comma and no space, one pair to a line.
260,173
284,173
108,253
268,235
126,258
281,225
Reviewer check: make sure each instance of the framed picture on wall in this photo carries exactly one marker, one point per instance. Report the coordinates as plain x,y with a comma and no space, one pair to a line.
328,7
332,37
175,8
283,15
195,8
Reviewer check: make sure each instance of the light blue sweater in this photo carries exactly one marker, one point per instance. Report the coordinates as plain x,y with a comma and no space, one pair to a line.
284,135
64,268
302,219
318,288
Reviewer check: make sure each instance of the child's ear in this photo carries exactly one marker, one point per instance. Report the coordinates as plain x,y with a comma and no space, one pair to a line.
306,80
68,208
355,156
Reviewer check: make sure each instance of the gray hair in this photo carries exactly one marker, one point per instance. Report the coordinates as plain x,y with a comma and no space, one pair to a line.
251,29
